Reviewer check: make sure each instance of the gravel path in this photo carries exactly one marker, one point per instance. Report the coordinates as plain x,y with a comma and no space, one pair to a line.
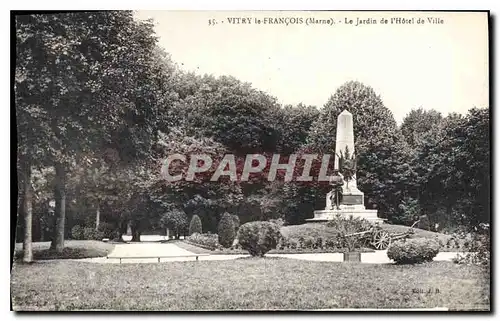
179,254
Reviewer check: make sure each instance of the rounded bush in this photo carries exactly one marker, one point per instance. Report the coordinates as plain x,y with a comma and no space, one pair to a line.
259,237
77,232
208,241
413,251
226,230
89,233
195,225
107,230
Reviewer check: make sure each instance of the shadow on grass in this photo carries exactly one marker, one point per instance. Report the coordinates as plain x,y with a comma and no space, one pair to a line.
66,253
257,258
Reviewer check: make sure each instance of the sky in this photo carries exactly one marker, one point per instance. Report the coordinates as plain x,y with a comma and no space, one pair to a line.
433,66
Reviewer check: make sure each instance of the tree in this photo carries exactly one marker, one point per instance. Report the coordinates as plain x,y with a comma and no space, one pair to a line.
370,116
28,215
67,68
454,171
293,123
195,225
175,220
231,112
418,124
226,230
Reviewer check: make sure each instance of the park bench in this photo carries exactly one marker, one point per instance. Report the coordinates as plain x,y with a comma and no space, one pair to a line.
155,256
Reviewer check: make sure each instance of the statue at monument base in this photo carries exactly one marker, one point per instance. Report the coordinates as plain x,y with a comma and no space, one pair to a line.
350,204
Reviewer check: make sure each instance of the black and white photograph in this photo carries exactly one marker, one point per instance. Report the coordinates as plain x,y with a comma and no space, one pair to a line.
246,160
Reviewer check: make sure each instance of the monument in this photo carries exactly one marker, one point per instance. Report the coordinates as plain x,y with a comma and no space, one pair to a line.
345,199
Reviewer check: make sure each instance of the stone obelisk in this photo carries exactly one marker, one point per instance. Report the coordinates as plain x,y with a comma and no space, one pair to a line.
352,203
345,139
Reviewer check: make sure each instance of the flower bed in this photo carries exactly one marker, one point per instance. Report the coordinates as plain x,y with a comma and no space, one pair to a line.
206,241
285,246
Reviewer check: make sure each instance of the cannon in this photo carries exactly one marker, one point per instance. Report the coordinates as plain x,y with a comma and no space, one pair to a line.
379,239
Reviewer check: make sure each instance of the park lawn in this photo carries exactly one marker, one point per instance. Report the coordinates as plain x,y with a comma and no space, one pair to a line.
322,230
246,284
73,249
193,248
393,228
308,230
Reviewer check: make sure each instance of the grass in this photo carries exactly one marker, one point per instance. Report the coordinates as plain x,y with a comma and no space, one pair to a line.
308,230
73,250
391,228
322,230
257,283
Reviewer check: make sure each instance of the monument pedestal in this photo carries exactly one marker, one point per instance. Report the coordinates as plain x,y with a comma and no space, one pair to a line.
352,205
328,215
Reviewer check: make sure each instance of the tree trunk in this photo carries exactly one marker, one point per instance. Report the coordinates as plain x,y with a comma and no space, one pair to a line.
28,215
60,210
20,216
97,217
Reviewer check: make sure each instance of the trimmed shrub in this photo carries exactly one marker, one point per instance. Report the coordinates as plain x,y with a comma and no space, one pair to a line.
77,232
207,241
413,251
195,225
226,230
107,230
89,233
176,220
259,237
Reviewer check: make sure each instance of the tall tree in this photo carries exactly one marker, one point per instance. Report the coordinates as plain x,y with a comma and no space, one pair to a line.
418,124
454,171
92,82
231,112
293,123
